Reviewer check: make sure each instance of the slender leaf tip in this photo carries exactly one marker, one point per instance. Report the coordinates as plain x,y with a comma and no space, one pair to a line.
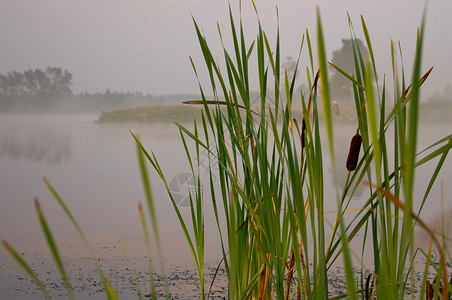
37,205
7,245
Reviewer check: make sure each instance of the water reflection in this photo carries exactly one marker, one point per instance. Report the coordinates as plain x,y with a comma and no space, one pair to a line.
37,145
94,168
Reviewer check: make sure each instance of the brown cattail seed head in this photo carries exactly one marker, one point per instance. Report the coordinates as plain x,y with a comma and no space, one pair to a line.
353,154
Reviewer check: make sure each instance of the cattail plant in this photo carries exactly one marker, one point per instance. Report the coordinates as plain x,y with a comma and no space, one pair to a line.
353,154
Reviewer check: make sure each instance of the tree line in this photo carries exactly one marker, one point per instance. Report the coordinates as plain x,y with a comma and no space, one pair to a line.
51,83
50,91
50,87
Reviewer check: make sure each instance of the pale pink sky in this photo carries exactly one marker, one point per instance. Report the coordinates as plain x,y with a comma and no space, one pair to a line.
139,45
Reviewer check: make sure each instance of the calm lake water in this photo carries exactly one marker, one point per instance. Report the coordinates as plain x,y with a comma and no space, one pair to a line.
94,168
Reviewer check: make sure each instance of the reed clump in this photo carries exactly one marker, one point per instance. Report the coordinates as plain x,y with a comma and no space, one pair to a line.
271,187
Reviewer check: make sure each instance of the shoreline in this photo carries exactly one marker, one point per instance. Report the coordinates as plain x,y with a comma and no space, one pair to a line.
184,113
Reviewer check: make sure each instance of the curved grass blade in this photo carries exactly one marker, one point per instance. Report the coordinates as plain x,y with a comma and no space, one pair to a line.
148,249
403,206
27,269
111,293
350,77
246,293
151,210
209,102
74,222
53,248
371,52
326,103
156,166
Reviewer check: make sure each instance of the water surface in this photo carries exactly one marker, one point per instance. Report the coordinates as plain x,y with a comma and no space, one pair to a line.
94,168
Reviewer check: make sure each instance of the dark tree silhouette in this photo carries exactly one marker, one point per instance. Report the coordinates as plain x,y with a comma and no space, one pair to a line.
341,87
289,65
53,83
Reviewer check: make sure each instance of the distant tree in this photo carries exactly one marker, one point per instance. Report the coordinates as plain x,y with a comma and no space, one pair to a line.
443,99
289,65
448,92
53,83
31,83
341,87
12,84
60,81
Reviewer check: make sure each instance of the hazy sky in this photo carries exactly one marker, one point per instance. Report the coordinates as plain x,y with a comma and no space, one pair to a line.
144,45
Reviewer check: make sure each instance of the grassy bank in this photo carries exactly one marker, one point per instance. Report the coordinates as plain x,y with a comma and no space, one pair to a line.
186,113
150,114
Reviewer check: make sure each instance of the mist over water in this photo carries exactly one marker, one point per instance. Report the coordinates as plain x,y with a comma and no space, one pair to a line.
94,168
40,144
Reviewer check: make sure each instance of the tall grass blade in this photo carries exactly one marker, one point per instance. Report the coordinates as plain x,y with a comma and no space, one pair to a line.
77,227
147,241
152,214
53,249
21,261
326,104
